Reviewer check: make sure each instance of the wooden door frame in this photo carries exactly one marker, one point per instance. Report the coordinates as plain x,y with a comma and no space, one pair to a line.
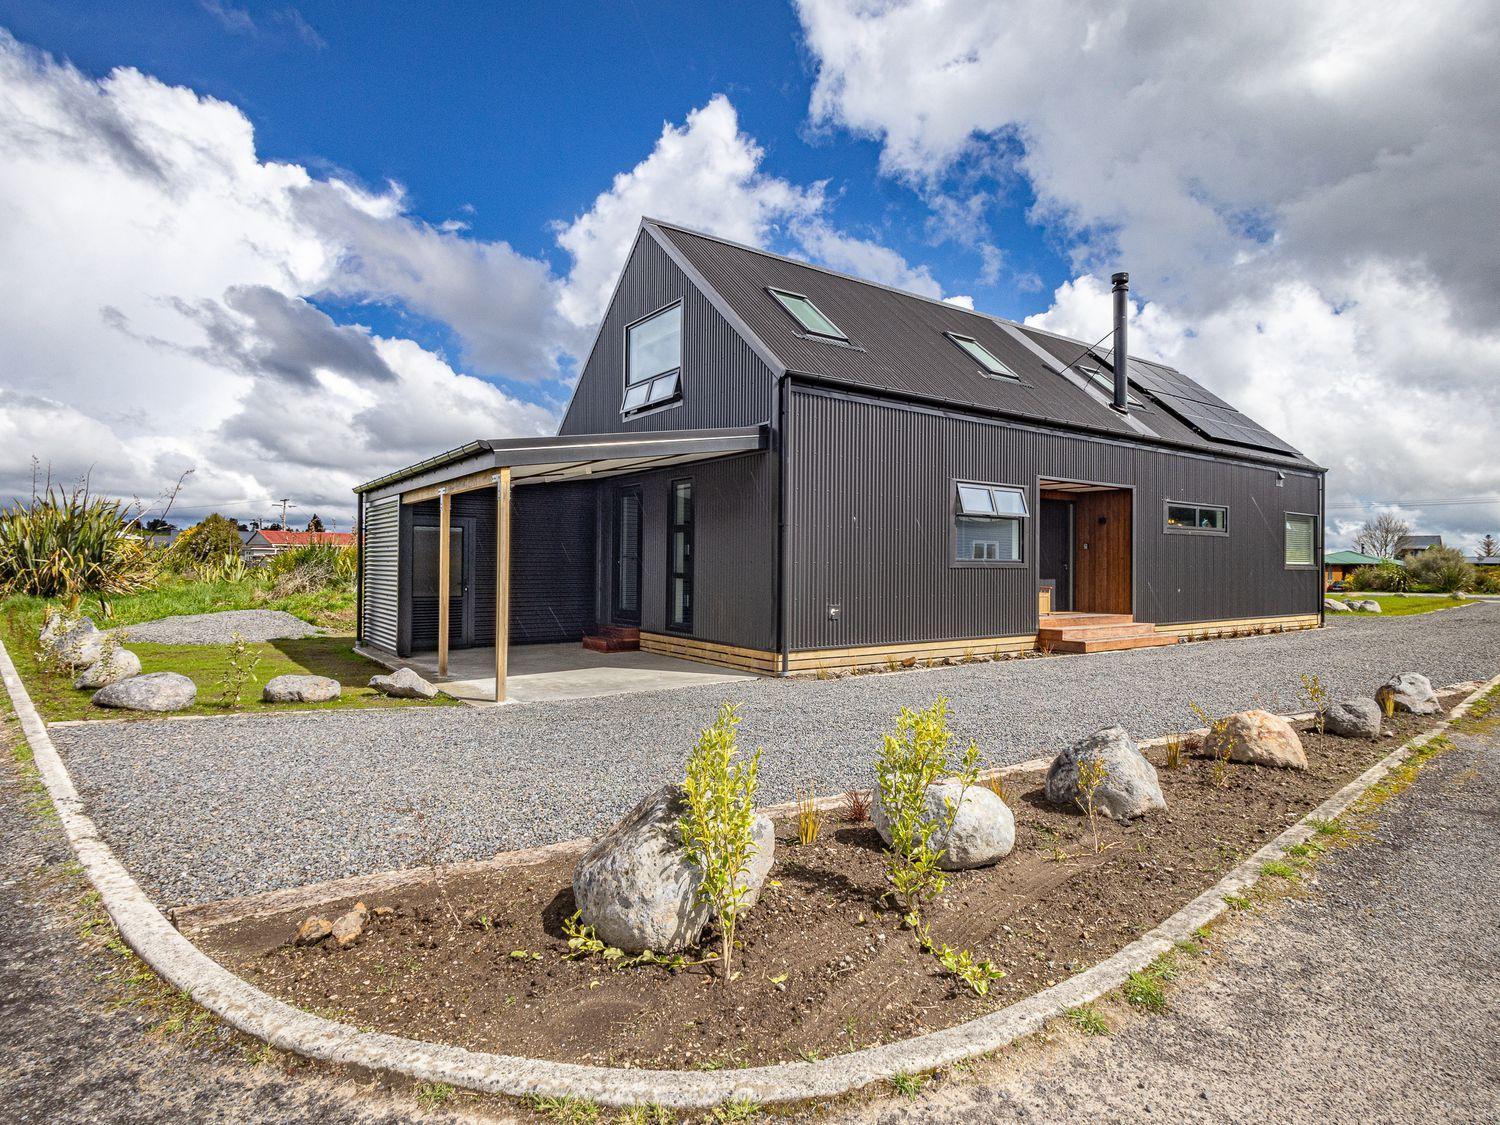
1036,537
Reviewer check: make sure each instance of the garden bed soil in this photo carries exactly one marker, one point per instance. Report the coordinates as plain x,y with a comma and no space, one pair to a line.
478,960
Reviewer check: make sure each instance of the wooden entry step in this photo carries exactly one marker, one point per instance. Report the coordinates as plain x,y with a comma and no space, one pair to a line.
614,638
1098,632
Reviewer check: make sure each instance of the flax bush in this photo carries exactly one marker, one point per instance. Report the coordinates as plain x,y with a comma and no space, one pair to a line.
71,545
718,829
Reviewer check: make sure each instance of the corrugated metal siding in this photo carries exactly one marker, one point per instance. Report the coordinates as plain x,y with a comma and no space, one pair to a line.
552,560
869,525
901,346
734,569
381,606
724,383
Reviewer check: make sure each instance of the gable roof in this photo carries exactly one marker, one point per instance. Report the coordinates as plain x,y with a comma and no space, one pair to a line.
305,538
897,345
1349,558
1418,542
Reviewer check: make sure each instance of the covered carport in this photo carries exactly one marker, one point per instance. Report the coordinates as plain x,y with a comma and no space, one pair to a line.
497,467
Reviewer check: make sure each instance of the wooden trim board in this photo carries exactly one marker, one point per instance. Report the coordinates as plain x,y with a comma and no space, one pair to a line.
1199,630
710,652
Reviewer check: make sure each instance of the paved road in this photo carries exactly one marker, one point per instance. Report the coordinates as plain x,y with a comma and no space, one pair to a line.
1377,1000
205,809
66,1057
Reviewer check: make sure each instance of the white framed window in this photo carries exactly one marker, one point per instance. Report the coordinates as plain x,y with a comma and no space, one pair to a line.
653,360
807,315
988,524
989,363
1301,540
1212,519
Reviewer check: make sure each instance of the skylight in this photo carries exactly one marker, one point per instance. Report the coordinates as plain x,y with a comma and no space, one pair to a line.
807,315
981,355
1105,381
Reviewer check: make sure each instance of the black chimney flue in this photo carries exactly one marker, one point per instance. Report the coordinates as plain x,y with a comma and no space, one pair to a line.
1122,350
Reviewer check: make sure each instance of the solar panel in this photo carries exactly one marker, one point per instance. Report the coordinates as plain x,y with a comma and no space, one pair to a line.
1223,423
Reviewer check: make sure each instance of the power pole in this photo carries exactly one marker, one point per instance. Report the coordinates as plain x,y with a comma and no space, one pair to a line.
285,502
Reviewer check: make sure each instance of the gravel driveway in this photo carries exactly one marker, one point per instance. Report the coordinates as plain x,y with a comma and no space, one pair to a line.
211,808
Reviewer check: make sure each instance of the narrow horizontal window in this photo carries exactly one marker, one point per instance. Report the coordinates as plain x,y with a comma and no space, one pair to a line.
991,500
988,362
987,523
807,314
1197,517
653,360
1301,540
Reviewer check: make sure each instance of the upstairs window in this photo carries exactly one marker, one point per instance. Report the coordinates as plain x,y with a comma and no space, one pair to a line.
1301,540
653,361
807,315
1198,517
989,364
987,524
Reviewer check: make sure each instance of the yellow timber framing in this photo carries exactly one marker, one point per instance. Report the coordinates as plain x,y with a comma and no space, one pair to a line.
470,483
907,655
502,580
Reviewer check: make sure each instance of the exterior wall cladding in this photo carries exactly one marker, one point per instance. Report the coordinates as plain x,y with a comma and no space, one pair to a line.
869,509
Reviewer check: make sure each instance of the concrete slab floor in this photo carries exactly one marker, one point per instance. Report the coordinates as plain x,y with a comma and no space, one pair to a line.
540,673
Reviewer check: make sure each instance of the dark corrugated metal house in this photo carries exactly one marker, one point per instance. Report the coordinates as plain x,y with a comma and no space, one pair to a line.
773,466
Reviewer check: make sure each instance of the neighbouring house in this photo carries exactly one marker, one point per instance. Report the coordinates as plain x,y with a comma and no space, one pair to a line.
261,544
1339,565
1409,545
777,467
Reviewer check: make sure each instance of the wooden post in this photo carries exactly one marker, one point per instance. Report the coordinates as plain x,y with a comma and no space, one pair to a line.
445,566
502,580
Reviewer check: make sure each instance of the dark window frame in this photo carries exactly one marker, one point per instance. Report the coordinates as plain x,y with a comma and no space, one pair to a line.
1004,375
1174,529
1023,530
675,398
1317,552
689,529
776,293
618,614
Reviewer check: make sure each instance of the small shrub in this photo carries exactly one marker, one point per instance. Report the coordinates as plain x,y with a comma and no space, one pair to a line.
1175,743
238,672
213,539
996,785
1216,740
1444,569
857,805
1315,691
72,545
1385,695
962,964
809,819
1092,773
718,827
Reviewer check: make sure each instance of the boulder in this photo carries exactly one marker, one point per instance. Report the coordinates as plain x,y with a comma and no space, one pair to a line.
1258,738
300,689
78,645
1368,606
350,924
112,667
1333,605
313,930
155,691
1129,788
982,833
638,889
1353,718
404,684
1413,692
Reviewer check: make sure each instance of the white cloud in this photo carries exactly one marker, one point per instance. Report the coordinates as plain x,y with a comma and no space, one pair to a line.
1298,191
864,258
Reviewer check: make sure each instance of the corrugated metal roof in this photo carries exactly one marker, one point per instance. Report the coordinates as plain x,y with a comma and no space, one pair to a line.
896,344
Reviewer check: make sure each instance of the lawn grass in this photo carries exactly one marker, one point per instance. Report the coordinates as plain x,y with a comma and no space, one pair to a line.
1395,605
333,656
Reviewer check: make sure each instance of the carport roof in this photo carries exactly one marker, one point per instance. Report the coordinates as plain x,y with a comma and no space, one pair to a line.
537,459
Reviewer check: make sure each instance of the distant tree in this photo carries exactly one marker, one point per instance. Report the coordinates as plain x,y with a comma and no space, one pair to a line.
1488,548
315,524
215,538
159,525
1441,568
1380,535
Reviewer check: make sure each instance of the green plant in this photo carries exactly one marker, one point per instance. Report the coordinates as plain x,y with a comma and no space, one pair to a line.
740,1109
239,670
649,1114
1441,568
1315,691
908,1085
565,1111
916,757
809,819
961,963
718,828
1279,868
431,1095
996,785
1175,745
1087,1019
71,545
1092,773
1144,990
212,539
1217,742
584,941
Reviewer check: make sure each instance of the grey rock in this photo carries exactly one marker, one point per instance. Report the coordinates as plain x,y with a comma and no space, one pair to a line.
155,691
404,684
637,887
1130,788
301,689
1335,606
1257,738
983,830
110,668
78,645
1368,606
1353,718
1413,692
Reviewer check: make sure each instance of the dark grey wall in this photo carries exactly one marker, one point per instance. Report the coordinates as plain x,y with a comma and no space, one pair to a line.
868,520
724,383
734,577
552,563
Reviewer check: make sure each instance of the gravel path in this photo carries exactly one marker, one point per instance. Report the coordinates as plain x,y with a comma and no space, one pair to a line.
255,625
1376,1000
212,808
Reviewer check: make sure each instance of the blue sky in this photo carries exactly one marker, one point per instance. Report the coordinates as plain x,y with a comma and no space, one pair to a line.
203,201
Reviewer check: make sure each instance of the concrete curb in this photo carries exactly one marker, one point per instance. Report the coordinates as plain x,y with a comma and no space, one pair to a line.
143,927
